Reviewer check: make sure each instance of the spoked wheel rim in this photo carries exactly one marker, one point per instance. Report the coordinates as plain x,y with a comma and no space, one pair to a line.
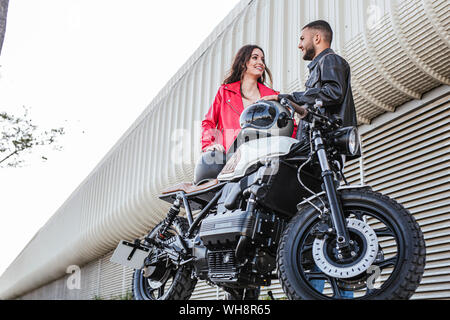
161,276
154,289
384,268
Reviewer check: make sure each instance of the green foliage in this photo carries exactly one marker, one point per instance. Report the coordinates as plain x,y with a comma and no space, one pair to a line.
19,134
127,296
267,297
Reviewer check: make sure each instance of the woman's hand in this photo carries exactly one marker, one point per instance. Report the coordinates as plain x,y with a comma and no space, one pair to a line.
270,98
217,147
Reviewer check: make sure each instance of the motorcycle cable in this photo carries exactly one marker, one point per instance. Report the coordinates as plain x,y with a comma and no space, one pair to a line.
312,153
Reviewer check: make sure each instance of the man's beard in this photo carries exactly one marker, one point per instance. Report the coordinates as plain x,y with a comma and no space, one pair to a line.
309,54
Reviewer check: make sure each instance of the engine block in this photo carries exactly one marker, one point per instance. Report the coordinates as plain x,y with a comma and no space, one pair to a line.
225,229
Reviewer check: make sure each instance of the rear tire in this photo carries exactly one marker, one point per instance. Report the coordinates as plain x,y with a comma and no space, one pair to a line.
407,263
175,284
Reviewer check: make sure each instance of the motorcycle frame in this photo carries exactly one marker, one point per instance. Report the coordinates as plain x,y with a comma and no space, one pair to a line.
186,200
329,186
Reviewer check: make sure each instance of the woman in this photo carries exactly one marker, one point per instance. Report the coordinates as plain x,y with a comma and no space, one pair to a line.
244,85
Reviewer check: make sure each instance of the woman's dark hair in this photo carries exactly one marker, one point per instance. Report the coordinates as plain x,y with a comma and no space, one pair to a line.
239,66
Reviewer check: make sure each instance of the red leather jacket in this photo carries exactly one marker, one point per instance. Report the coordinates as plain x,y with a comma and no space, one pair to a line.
221,123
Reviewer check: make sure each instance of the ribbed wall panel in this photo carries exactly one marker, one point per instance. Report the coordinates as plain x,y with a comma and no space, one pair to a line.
204,291
392,63
112,280
90,280
409,160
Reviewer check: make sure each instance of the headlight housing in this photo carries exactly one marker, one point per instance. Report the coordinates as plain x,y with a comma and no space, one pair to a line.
346,141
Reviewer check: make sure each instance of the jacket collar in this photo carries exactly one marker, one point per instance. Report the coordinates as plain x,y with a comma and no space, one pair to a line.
235,101
236,88
316,59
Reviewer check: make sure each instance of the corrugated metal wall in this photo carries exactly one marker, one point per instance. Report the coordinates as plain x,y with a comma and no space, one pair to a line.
398,50
408,158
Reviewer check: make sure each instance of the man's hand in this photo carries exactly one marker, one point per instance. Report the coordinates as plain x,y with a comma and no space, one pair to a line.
301,110
213,147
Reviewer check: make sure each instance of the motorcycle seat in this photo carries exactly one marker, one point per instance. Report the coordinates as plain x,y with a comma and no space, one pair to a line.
188,187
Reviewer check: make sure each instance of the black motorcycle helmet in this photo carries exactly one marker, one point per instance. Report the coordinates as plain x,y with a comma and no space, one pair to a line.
209,166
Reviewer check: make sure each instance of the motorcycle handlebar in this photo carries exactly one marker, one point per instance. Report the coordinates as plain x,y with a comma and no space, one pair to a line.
308,113
301,110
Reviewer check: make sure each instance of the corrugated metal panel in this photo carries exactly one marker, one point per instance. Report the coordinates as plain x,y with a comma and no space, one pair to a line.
408,159
390,66
111,279
99,279
56,290
204,291
90,280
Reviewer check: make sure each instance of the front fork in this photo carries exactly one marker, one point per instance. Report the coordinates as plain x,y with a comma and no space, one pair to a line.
337,214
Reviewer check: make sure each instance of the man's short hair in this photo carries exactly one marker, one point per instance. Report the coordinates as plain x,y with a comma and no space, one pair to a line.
322,26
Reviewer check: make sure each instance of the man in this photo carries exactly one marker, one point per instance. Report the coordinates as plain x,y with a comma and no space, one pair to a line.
329,78
328,81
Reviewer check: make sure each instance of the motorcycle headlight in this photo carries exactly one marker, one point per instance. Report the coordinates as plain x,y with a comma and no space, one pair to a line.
353,142
346,141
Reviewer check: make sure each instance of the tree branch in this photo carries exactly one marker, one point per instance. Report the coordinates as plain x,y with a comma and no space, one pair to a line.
6,158
3,14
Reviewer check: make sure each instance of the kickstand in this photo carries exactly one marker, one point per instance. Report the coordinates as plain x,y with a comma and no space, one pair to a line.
271,295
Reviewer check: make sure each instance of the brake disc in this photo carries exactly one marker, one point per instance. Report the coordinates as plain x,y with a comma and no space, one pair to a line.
332,266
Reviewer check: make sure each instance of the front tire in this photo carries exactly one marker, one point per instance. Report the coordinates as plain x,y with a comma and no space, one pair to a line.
400,259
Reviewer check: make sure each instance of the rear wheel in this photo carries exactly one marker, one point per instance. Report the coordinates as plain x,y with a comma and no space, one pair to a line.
164,281
387,258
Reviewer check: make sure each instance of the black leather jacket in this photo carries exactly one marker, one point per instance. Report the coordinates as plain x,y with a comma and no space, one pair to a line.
329,81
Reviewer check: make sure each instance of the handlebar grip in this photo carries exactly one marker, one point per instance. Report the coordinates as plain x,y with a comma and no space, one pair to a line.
301,110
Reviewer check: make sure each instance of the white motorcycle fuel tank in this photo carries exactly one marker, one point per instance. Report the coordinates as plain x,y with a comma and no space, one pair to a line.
250,153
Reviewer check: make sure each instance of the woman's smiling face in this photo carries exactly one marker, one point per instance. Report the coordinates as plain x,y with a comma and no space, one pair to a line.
256,65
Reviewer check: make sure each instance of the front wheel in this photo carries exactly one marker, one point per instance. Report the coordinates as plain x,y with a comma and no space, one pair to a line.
386,260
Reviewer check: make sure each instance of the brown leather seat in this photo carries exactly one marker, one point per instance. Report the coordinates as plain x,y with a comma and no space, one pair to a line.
187,187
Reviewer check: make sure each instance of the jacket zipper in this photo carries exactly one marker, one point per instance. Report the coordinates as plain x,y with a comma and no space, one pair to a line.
232,107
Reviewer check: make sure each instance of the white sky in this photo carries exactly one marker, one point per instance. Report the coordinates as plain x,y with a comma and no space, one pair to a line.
91,66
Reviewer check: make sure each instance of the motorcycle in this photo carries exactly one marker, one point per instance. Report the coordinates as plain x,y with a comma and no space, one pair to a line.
282,209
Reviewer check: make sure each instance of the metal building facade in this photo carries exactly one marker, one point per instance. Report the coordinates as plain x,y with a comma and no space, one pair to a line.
399,53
